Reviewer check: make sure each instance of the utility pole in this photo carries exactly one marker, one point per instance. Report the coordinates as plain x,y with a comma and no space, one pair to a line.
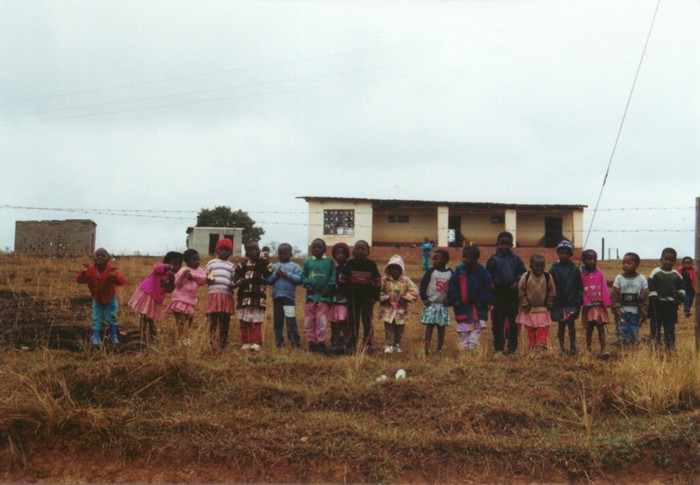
602,253
697,272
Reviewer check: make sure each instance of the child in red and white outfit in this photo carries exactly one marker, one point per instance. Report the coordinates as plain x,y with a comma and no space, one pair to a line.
184,298
219,306
596,300
536,292
149,296
102,279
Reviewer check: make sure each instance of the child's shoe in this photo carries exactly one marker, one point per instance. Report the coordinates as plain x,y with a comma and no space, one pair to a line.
96,338
255,347
397,349
388,349
245,347
114,334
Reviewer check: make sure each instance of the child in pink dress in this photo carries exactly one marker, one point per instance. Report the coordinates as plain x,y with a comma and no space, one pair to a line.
149,296
536,291
187,282
596,300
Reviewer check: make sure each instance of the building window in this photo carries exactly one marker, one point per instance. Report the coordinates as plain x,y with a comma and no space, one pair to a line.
398,218
339,222
498,219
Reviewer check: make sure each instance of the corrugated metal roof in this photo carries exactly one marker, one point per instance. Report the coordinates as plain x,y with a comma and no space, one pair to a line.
466,205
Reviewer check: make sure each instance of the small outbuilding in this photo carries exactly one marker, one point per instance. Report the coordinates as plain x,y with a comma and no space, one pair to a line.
204,239
71,237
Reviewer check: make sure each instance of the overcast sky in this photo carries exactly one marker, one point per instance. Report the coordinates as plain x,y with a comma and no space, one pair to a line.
167,105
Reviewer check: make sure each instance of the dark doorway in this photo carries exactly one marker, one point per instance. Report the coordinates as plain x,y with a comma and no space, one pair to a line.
553,234
455,223
213,239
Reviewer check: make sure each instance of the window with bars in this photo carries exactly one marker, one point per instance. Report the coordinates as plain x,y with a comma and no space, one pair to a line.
341,222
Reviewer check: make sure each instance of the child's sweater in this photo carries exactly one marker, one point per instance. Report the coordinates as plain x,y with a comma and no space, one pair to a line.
688,276
666,285
158,282
361,280
223,273
393,291
630,295
595,288
102,285
537,291
505,269
185,288
569,297
251,276
285,286
318,276
473,289
435,284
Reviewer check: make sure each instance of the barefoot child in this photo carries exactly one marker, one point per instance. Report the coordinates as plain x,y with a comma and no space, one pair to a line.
102,279
596,300
219,305
471,293
630,300
396,293
182,303
285,277
433,292
251,302
148,298
536,291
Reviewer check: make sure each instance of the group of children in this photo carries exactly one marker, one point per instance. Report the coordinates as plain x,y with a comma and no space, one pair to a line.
341,292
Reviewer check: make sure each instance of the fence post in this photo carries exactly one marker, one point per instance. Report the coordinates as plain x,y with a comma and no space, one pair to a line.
697,272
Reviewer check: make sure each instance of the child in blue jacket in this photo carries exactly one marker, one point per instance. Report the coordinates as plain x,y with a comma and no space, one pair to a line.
471,293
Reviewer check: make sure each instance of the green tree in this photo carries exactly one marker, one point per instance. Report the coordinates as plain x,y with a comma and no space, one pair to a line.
223,216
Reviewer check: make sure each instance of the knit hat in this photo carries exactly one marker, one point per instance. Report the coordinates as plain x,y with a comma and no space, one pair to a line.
224,243
342,246
566,246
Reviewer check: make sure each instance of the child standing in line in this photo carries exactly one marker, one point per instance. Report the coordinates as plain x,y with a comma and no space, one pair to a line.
426,248
395,295
596,300
361,282
569,297
687,271
338,315
666,292
184,297
630,300
319,279
219,306
284,279
536,291
102,279
505,268
434,287
471,293
148,298
250,279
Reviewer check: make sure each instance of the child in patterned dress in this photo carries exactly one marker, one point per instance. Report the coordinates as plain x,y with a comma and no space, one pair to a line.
219,305
433,293
596,300
250,279
395,295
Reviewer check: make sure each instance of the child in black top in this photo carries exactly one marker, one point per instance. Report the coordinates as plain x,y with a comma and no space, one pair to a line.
569,297
360,281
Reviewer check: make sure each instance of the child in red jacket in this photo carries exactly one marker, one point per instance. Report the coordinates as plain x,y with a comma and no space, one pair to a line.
102,279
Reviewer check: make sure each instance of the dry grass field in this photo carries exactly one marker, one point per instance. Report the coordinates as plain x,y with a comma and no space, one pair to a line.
69,413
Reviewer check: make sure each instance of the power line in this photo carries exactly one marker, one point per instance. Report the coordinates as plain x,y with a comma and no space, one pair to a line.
622,122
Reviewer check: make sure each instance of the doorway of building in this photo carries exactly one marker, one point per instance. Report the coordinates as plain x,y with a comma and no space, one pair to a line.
552,231
454,223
